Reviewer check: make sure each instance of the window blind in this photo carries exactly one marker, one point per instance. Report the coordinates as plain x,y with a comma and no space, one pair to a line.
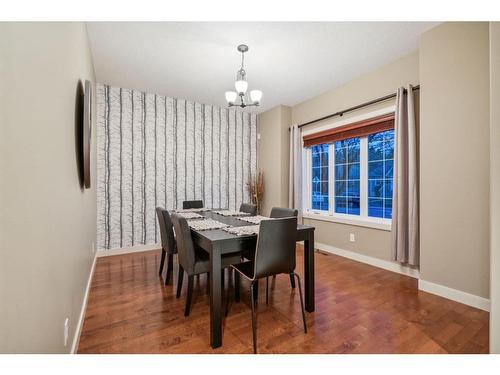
353,130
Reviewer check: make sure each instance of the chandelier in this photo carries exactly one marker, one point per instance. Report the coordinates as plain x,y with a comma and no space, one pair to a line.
241,86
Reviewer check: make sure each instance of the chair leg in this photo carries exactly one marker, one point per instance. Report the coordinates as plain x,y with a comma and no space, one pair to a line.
228,294
256,291
189,297
236,286
162,262
267,290
254,322
292,281
170,269
301,301
180,278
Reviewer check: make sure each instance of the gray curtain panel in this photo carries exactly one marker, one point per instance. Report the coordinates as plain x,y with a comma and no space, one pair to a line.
295,174
405,225
153,150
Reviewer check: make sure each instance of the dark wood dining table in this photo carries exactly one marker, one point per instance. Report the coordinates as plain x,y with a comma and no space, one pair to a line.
217,242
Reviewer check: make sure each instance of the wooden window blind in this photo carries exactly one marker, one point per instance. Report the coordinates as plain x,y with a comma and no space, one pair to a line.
353,130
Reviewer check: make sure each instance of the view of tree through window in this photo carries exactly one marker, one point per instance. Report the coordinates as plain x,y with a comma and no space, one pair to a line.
361,174
347,172
380,174
320,177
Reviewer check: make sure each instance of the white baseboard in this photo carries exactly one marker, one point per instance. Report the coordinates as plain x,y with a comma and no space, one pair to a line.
78,331
455,295
380,263
127,250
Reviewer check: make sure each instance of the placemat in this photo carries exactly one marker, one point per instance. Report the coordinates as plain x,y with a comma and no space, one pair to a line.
207,224
231,213
254,219
190,215
193,209
247,230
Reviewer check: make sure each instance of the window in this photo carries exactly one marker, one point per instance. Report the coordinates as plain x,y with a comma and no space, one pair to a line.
319,177
352,178
347,177
380,172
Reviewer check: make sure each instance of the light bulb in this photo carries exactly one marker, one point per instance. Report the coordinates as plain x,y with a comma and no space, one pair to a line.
241,86
255,96
231,96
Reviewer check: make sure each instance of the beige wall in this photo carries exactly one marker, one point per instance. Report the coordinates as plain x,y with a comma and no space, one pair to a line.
273,150
495,186
371,242
47,222
453,108
454,157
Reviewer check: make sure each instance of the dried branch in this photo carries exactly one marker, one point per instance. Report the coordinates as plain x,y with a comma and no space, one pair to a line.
255,187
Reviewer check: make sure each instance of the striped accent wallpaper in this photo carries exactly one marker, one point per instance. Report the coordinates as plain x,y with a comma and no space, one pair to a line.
154,150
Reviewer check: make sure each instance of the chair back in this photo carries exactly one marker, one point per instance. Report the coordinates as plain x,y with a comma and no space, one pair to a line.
185,246
192,204
249,208
278,212
166,230
275,251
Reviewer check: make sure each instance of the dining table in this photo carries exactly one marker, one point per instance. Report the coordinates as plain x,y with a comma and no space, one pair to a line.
217,242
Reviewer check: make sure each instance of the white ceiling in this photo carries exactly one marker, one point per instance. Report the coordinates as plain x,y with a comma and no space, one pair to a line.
289,61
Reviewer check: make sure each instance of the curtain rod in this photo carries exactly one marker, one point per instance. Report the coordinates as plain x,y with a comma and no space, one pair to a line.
366,104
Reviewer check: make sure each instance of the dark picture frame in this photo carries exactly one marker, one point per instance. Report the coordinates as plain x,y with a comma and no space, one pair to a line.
87,134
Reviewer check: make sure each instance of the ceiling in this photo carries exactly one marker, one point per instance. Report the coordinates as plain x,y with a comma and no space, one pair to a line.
289,61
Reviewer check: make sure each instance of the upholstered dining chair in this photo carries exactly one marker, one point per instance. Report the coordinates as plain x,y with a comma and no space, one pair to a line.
249,208
168,245
274,254
192,204
280,212
193,261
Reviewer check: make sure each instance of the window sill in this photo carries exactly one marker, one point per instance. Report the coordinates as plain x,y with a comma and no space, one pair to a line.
381,224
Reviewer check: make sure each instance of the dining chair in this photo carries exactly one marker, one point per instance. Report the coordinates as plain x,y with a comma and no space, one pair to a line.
168,244
192,204
192,260
249,208
280,212
274,254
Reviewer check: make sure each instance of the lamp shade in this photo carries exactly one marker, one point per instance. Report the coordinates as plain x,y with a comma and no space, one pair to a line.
231,96
255,96
241,86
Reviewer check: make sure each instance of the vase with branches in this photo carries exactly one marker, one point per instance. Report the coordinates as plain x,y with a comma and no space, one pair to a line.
255,187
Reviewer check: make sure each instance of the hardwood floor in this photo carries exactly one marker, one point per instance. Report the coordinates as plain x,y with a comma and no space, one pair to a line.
359,309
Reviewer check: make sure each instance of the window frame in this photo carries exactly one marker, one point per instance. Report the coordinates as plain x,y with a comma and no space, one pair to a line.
358,220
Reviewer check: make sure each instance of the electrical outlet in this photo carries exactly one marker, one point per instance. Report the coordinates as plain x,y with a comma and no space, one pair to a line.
66,331
352,238
258,136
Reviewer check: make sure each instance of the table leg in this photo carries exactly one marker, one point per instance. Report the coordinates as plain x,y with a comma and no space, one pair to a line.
215,298
309,272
